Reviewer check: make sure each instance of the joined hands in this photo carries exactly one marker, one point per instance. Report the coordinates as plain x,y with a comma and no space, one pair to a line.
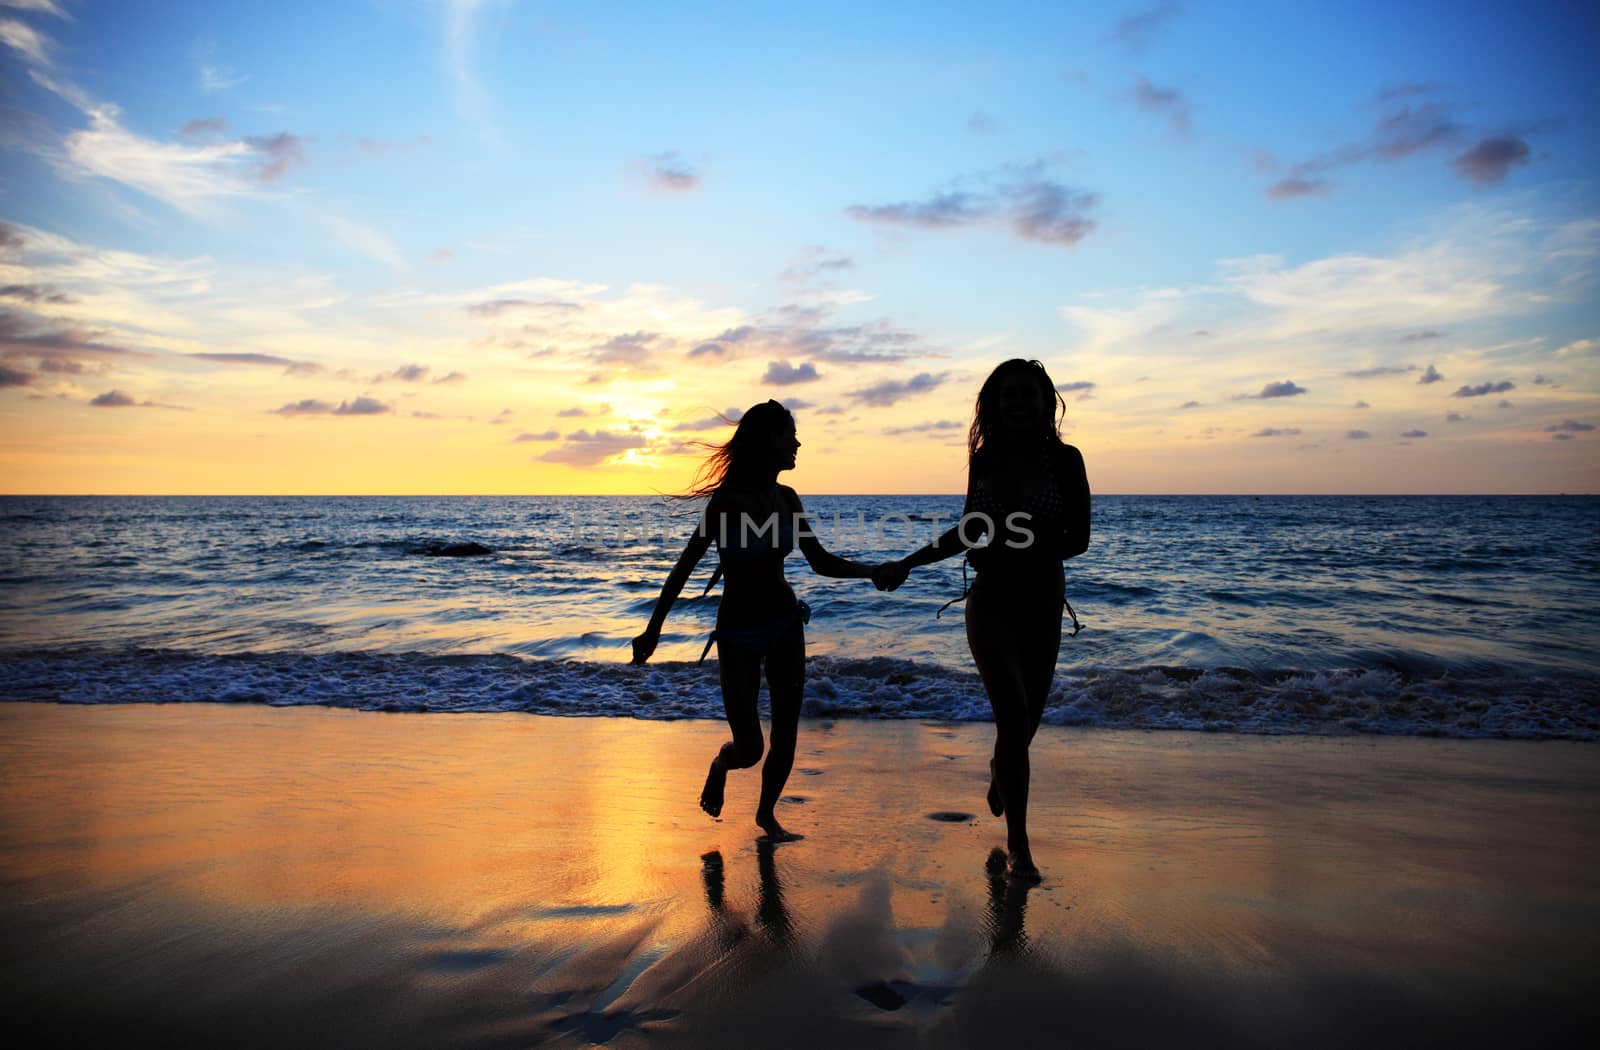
890,575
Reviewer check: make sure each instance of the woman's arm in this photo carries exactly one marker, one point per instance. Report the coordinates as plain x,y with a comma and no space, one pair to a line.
1073,481
645,644
966,534
822,561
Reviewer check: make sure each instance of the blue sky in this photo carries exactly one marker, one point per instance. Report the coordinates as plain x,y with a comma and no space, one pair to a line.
401,246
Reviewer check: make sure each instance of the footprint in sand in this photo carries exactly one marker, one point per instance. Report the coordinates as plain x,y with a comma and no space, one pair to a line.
809,772
794,800
950,816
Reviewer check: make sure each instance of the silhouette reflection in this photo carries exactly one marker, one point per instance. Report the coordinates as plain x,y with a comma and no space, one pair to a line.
1008,907
772,915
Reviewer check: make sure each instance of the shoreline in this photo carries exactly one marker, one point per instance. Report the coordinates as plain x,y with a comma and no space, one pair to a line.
261,874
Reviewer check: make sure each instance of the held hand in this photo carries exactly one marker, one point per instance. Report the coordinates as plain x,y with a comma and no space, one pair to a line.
644,645
890,575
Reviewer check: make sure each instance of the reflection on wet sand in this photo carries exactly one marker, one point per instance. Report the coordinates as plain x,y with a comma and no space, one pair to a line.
262,877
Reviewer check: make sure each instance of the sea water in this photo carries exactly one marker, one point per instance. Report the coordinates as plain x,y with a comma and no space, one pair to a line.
1462,616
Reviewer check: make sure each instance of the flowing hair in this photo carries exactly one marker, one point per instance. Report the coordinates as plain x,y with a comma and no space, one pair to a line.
746,454
985,412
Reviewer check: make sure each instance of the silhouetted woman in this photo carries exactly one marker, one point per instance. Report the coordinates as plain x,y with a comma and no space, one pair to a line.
755,522
1027,510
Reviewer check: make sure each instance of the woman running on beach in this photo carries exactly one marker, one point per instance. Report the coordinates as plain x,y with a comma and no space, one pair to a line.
1027,510
755,522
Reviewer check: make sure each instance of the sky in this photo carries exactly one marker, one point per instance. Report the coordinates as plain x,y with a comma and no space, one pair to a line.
484,246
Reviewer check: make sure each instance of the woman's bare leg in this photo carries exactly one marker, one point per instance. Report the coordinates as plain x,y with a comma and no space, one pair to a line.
786,676
999,661
740,672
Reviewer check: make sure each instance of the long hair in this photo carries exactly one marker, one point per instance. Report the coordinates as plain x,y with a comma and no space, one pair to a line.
986,411
746,454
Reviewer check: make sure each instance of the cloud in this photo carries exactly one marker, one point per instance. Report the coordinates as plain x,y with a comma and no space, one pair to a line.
1569,426
1357,435
1561,437
583,449
1287,388
10,239
1484,388
1034,208
782,373
548,435
1375,373
278,153
364,240
718,346
575,412
1272,432
25,337
118,399
35,293
1164,100
1580,348
981,124
405,374
451,377
14,377
1190,404
1417,337
926,428
1431,375
1136,31
1491,159
1455,417
813,262
890,391
1415,434
1410,131
204,128
272,360
361,406
1360,404
633,350
710,422
496,307
1401,133
307,407
26,41
1296,186
669,173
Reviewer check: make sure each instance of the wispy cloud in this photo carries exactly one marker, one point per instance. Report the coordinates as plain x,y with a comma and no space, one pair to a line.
290,367
890,391
669,173
25,40
1380,371
204,129
361,406
1414,434
1136,31
938,426
368,242
1272,432
583,449
1033,207
1166,101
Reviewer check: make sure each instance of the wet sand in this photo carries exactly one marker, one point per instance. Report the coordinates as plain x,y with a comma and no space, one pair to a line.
254,876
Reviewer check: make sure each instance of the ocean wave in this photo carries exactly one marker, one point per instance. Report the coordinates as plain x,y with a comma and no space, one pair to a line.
1368,700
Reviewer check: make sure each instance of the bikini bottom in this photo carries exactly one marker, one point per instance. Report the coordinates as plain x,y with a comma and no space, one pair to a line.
761,637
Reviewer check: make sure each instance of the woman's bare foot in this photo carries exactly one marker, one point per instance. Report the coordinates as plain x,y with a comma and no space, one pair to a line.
711,794
997,805
1021,866
775,832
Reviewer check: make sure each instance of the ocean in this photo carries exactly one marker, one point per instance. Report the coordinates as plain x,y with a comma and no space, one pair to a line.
1445,616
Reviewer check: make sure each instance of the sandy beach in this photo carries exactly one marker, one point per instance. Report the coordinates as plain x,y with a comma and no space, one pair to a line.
247,875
